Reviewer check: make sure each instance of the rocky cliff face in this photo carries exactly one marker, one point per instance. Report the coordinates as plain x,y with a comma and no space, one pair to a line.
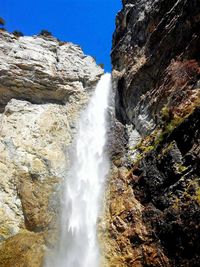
153,197
44,84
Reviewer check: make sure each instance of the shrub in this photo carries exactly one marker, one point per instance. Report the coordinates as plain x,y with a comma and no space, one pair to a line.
45,33
2,22
18,33
101,65
165,114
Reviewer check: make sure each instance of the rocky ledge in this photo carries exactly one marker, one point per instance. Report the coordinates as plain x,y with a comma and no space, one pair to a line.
153,198
44,84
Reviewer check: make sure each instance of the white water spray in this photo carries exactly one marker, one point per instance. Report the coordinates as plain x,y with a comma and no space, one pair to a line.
78,245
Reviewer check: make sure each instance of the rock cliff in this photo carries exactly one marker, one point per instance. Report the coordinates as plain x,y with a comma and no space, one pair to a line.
152,206
153,198
44,84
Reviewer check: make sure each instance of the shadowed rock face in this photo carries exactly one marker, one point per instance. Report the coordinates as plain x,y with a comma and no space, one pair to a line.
155,44
168,187
44,85
153,205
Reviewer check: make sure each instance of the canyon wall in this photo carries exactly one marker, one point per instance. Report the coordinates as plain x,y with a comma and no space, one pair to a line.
153,197
152,200
44,84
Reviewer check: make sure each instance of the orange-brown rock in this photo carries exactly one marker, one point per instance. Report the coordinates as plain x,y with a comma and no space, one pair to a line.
25,249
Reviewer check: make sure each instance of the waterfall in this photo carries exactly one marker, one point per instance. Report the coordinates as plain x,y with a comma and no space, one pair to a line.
78,244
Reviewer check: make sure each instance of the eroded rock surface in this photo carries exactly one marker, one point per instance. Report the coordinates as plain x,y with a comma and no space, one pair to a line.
153,206
155,58
43,70
44,85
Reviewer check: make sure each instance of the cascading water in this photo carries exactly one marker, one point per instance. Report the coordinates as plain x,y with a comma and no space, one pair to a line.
78,245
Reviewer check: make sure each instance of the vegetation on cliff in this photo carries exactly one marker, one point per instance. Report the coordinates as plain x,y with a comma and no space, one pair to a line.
156,71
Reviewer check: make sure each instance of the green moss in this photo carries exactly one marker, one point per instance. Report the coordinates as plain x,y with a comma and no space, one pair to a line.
145,149
187,196
149,148
168,148
198,195
138,145
165,113
171,121
176,203
173,124
167,129
165,150
181,168
151,142
159,138
139,157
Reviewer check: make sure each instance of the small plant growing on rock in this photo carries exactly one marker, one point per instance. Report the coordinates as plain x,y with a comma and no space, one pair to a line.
166,114
2,22
198,196
45,33
18,33
101,65
61,42
180,168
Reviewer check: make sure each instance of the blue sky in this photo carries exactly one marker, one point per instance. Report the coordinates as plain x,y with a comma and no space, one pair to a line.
89,23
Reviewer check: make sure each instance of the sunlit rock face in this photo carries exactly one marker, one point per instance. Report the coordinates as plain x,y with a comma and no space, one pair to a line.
44,84
43,69
152,211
